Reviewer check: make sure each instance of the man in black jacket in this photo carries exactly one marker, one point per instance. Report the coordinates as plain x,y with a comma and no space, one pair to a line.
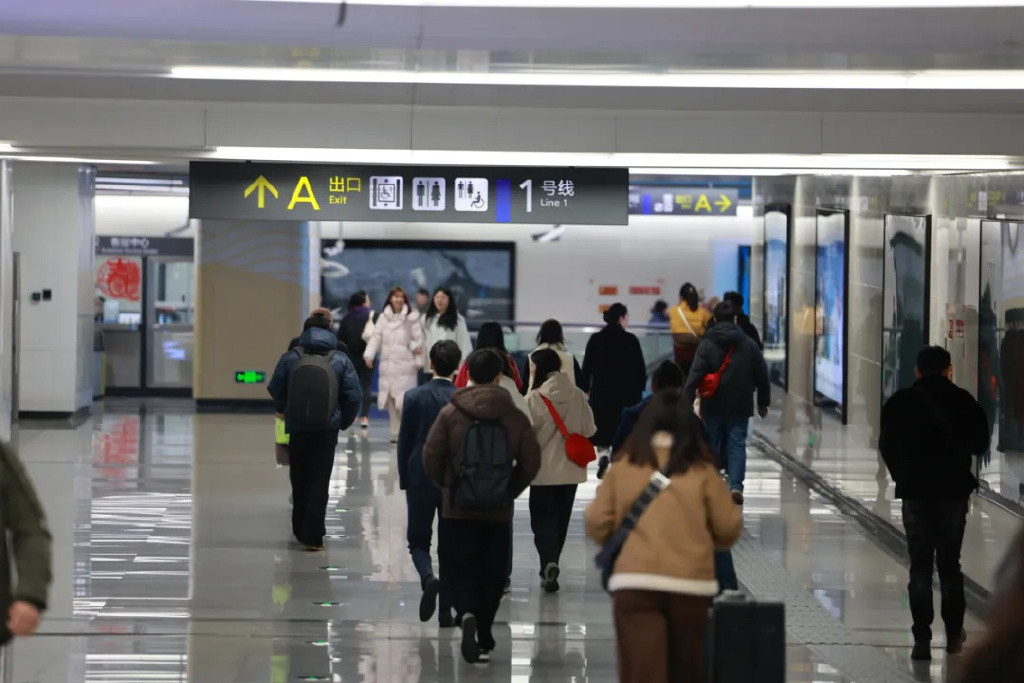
928,434
420,409
742,319
727,414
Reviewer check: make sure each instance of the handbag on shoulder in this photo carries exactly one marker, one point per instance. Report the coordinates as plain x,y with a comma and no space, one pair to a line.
577,447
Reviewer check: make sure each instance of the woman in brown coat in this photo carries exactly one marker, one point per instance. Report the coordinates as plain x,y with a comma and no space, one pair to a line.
664,579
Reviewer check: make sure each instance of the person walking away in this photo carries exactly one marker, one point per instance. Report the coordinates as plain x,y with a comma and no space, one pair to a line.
421,407
551,336
742,319
27,547
398,337
727,414
553,491
667,376
928,434
350,333
998,657
688,323
443,321
482,454
659,315
663,581
319,389
614,373
492,336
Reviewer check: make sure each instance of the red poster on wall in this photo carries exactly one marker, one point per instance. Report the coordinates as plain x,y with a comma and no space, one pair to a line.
120,279
645,291
608,290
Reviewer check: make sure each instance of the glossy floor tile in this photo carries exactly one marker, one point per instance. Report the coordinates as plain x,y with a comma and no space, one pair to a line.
174,563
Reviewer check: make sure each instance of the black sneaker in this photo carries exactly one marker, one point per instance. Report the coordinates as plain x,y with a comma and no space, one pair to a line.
428,601
922,652
470,648
955,644
550,578
446,620
602,466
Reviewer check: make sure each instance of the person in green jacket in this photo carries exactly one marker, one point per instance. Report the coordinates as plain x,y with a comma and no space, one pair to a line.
22,520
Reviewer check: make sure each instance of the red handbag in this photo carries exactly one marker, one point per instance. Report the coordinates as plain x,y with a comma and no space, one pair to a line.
577,447
709,383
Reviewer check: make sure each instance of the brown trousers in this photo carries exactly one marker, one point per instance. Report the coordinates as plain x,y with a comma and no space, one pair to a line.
660,636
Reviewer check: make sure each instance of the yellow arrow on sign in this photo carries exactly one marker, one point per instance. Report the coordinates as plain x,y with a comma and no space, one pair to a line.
724,203
264,186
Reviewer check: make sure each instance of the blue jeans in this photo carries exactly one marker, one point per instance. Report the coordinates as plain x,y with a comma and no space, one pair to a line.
729,441
725,571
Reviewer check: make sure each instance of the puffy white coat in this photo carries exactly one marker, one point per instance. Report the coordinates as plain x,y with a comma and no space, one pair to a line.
434,333
572,406
398,337
568,367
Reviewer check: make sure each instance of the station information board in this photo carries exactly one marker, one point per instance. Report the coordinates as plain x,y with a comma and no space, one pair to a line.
395,193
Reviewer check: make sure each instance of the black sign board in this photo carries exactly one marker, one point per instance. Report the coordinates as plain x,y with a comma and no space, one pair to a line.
438,194
668,200
144,246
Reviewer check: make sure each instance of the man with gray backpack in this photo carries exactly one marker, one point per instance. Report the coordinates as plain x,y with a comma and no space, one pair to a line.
482,453
319,389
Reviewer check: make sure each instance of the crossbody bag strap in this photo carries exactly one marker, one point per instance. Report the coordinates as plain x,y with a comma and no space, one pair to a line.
686,322
658,483
559,422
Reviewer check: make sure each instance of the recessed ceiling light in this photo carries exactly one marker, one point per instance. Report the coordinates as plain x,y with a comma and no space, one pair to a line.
819,80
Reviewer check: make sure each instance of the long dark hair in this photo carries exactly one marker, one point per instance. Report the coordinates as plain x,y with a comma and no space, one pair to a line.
450,318
491,336
551,332
668,412
998,657
688,293
546,362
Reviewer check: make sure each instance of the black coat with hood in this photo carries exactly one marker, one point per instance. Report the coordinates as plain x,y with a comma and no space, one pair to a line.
928,434
614,373
746,373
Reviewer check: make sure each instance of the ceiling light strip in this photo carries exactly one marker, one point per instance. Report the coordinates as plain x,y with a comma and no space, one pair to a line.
673,4
809,80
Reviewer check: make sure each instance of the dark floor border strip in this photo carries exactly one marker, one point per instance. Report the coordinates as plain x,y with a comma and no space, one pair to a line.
883,531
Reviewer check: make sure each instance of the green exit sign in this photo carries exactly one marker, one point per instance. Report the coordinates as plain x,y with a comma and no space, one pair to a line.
250,377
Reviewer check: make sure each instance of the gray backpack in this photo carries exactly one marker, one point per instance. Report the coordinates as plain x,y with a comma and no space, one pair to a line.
312,389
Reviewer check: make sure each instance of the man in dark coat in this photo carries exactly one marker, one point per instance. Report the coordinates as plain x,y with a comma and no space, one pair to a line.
727,414
928,434
312,446
614,373
742,319
420,409
350,333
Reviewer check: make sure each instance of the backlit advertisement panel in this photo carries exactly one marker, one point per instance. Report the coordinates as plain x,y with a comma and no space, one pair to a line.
831,304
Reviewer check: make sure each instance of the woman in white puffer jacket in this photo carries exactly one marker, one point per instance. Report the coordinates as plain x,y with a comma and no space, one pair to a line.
398,336
553,490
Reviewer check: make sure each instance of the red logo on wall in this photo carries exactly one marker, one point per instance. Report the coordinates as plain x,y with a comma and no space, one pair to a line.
655,291
120,279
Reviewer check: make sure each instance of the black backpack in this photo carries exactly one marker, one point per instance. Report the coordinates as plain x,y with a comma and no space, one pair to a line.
312,389
483,470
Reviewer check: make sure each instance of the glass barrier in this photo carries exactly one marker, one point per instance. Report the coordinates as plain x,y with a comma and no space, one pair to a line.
520,336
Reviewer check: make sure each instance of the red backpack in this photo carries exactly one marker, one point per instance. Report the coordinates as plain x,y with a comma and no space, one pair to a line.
709,383
577,447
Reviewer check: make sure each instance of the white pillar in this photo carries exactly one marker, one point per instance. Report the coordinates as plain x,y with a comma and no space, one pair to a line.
6,302
54,224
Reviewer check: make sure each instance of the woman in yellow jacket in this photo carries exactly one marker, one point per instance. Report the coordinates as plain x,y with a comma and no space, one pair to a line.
664,579
687,322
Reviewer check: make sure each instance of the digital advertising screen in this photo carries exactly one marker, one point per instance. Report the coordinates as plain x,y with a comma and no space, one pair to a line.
904,298
830,293
480,275
776,292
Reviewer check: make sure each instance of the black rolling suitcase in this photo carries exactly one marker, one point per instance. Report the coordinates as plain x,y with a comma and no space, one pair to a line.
746,641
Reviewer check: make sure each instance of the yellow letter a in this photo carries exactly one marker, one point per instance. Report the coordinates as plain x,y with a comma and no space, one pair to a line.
309,198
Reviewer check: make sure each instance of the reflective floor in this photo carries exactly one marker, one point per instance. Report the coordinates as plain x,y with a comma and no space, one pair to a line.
174,563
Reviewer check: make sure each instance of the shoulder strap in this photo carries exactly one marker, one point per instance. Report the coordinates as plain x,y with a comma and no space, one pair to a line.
728,359
682,313
658,483
555,416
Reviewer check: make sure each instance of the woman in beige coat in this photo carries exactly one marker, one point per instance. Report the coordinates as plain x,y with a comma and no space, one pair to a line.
553,490
664,579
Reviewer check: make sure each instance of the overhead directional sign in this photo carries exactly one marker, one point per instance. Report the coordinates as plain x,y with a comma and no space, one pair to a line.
442,194
682,201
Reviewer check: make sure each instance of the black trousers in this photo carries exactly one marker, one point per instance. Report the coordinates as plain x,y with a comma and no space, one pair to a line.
935,536
423,502
312,461
475,559
365,381
550,511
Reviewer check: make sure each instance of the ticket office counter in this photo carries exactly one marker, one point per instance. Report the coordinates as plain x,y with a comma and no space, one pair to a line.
146,312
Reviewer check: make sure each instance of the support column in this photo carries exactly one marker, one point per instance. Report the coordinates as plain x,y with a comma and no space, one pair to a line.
6,302
256,282
54,227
